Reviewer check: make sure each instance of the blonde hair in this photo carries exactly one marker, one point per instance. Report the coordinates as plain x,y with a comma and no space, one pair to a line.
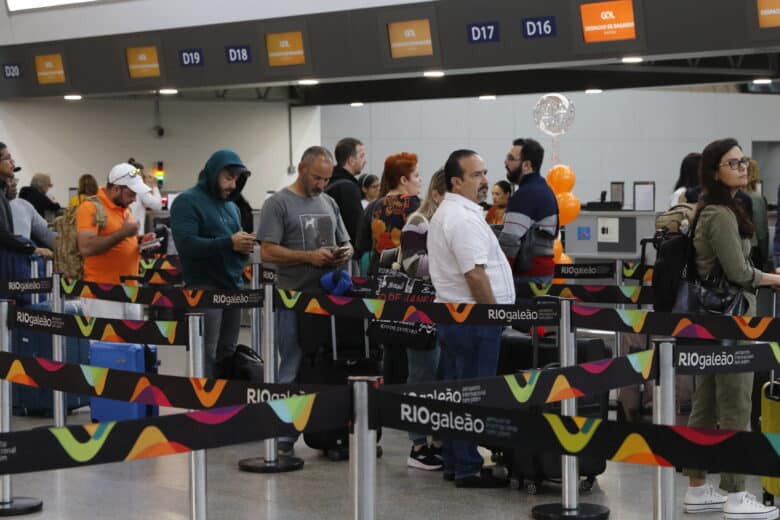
437,185
753,175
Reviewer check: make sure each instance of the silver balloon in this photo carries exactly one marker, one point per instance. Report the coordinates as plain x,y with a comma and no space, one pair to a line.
554,114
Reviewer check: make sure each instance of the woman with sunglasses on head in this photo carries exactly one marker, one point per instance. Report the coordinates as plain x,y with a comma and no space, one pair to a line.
721,238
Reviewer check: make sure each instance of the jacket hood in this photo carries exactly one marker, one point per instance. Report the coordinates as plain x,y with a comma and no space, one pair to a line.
219,160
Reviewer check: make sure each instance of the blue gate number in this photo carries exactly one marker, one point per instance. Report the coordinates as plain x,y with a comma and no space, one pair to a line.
542,27
238,54
191,57
483,32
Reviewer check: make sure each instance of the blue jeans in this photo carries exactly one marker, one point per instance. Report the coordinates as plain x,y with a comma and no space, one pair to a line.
288,350
423,368
467,352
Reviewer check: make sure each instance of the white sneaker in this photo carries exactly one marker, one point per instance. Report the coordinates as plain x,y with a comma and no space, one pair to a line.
703,499
744,505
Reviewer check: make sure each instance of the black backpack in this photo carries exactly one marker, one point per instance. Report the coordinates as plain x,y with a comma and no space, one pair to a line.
673,251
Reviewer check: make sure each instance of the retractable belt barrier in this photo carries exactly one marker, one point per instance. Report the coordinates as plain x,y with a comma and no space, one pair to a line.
655,445
102,329
161,296
615,294
75,446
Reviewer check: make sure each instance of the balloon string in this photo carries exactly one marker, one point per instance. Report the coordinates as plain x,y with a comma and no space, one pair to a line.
556,149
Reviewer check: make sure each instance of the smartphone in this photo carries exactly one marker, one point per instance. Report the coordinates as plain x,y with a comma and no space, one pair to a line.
340,251
154,244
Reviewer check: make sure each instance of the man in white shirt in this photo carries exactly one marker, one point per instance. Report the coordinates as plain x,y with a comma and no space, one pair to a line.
467,265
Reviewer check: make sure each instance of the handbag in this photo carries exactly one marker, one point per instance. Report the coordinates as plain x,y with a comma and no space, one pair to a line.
712,295
247,365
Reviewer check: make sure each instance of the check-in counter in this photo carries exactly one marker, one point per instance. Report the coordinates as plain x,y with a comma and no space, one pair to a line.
610,235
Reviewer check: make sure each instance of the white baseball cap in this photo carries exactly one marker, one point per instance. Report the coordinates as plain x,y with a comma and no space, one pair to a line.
128,175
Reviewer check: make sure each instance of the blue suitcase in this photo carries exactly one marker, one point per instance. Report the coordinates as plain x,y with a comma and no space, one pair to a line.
122,356
29,400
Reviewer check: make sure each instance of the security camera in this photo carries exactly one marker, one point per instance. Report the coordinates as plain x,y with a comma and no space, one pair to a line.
159,130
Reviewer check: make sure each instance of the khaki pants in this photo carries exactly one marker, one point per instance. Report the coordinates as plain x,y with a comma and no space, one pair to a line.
722,400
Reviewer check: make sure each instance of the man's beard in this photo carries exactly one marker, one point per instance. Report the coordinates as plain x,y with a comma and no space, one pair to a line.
513,175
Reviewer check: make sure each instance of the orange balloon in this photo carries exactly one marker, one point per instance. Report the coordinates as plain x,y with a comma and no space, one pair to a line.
568,207
564,260
561,178
557,249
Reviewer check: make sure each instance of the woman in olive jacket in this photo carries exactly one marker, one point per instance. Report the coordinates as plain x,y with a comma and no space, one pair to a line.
722,235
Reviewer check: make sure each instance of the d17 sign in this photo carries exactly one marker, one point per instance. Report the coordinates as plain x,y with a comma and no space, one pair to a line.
541,27
484,32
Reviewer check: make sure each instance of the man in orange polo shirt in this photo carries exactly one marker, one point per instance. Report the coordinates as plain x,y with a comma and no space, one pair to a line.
108,239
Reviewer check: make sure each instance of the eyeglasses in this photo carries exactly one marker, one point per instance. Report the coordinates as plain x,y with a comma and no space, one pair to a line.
734,164
510,157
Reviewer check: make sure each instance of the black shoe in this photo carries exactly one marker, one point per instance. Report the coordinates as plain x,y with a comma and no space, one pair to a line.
448,475
423,459
485,479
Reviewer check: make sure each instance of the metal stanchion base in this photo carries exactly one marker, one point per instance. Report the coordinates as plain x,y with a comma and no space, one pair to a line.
583,511
21,506
282,464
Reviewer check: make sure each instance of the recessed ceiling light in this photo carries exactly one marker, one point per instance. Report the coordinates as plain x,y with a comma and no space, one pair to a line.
633,59
593,91
308,82
489,97
168,91
762,81
356,104
73,97
433,73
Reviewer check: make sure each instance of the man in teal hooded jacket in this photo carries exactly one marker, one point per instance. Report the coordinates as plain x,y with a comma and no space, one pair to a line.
213,249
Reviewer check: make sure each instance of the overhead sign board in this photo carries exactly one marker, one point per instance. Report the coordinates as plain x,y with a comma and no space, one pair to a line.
49,69
238,54
540,27
410,38
608,21
191,57
768,13
483,32
285,49
142,62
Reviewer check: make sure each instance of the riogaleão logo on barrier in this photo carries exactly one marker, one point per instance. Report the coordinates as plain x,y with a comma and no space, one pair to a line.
264,395
36,285
49,322
414,414
235,298
585,270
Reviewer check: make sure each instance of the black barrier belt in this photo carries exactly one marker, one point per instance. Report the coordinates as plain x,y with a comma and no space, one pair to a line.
655,445
167,297
28,286
537,387
728,359
543,313
145,388
101,329
100,443
690,326
637,271
623,294
585,271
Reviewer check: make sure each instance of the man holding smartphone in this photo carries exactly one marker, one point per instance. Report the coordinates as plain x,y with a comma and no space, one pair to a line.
214,249
303,235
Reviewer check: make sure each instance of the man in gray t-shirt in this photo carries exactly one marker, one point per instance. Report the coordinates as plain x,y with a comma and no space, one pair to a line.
302,237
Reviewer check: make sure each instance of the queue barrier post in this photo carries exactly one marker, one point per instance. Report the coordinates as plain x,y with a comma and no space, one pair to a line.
363,452
619,283
60,410
34,273
9,504
271,462
570,507
196,361
664,507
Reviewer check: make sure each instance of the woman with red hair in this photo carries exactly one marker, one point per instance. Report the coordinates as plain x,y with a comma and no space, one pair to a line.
385,217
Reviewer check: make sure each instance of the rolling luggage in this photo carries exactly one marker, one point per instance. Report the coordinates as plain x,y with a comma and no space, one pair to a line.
325,366
34,401
121,356
530,468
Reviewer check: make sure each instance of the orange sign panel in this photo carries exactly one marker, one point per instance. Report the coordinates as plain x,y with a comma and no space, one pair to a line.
49,69
142,62
768,13
608,21
285,49
410,38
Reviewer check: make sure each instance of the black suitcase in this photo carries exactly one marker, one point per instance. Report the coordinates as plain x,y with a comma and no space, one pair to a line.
327,366
529,468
